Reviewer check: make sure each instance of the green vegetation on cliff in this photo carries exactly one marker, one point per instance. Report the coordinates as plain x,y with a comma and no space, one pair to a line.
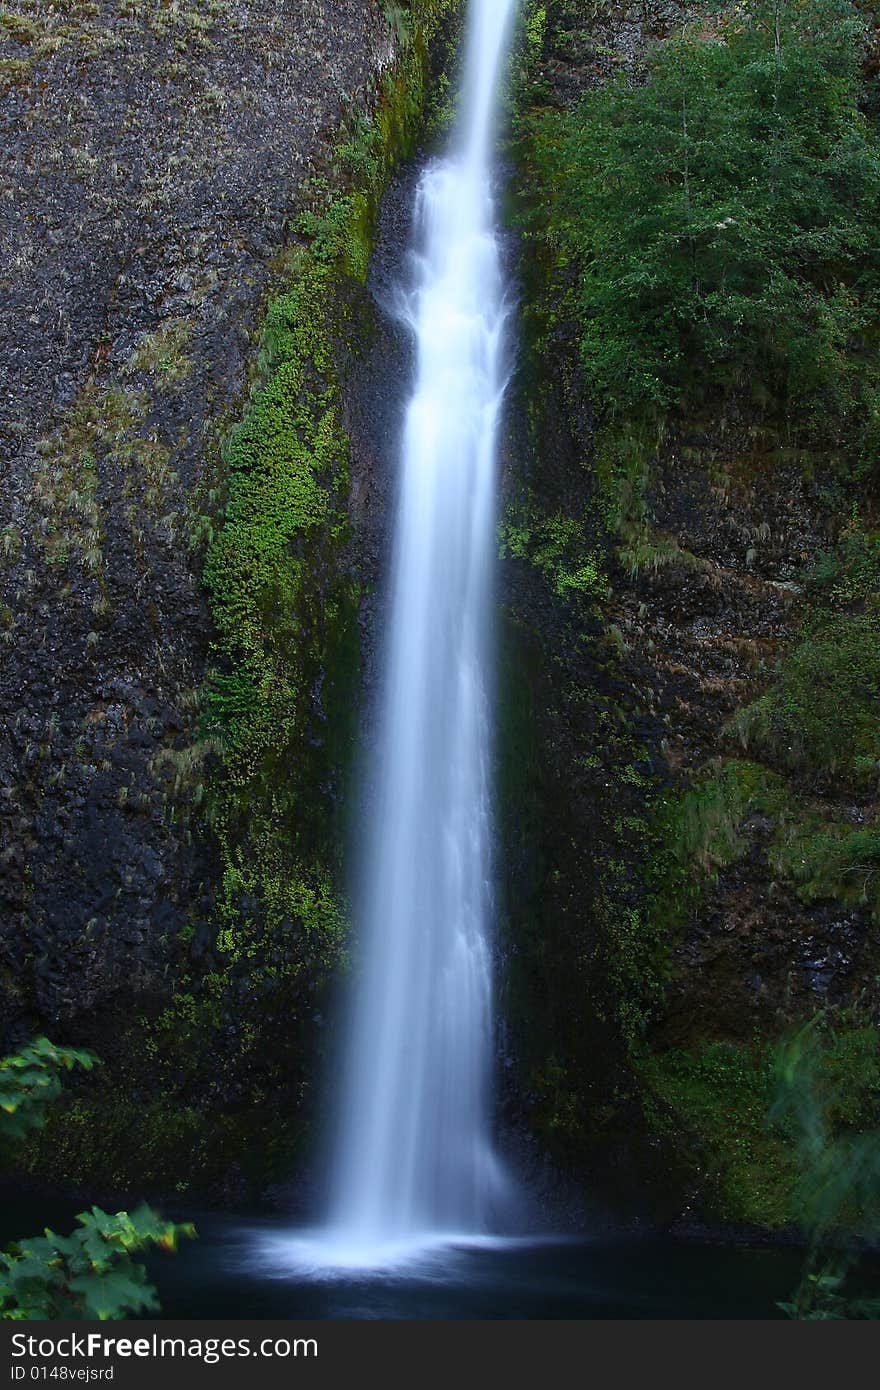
775,1129
715,224
819,717
283,597
262,788
698,224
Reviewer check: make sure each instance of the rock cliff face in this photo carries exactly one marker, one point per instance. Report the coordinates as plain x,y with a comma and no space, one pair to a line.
170,170
198,392
154,157
681,798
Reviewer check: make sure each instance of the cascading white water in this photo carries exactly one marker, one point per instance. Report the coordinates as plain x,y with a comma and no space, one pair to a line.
414,1157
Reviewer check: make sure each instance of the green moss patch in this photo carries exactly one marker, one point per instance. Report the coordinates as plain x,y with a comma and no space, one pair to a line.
821,711
721,1095
770,1135
283,596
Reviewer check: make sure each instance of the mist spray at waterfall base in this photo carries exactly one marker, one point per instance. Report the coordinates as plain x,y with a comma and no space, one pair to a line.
413,1170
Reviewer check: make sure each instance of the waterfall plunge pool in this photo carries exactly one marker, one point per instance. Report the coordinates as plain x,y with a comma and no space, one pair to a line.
257,1265
256,1269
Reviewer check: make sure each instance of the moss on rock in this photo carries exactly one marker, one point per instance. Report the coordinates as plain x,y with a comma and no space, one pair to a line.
235,1036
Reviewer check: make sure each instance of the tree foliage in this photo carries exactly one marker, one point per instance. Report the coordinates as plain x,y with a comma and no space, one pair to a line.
717,222
90,1273
30,1079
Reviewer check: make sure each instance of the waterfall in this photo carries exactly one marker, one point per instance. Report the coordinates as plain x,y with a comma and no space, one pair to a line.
414,1159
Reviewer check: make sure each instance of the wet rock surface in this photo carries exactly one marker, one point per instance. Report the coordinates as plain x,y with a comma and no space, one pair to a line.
616,706
153,158
704,634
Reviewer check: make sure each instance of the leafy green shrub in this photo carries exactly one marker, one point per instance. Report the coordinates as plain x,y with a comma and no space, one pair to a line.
715,224
30,1079
89,1274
